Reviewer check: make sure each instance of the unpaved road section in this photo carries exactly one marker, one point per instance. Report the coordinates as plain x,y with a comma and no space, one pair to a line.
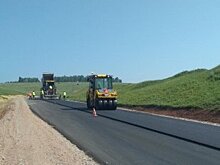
25,139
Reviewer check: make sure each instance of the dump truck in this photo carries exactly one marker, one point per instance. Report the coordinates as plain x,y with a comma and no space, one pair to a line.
48,86
101,94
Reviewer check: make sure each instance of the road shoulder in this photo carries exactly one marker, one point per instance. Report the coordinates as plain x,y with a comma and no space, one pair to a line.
26,139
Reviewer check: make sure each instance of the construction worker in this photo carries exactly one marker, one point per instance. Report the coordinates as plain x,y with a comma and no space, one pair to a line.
64,95
42,94
33,94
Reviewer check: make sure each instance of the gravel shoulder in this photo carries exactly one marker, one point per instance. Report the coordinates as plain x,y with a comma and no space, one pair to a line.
26,139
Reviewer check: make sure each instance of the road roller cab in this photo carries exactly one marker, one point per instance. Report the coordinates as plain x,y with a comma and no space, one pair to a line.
100,94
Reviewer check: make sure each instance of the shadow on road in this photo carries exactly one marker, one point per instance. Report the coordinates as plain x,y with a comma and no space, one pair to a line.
84,109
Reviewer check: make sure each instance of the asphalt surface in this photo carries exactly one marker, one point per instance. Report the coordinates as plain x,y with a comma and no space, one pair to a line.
122,137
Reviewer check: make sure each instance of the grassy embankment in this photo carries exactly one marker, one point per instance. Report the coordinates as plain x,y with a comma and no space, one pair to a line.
195,89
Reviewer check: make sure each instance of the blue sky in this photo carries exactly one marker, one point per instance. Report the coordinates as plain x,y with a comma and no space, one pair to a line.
135,40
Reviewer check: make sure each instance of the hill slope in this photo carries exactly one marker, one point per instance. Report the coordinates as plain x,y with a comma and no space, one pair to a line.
195,89
190,89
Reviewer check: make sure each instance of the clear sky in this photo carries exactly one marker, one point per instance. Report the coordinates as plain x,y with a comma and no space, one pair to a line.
135,40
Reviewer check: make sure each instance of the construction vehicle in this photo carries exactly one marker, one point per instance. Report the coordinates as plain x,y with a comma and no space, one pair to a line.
48,86
100,94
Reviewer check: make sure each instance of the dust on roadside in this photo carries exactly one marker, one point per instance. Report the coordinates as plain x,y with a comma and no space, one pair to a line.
26,139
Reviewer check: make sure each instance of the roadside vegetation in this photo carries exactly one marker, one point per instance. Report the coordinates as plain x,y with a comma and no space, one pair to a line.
197,89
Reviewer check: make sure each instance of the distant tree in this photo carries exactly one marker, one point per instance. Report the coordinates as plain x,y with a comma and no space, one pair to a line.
28,79
117,80
78,78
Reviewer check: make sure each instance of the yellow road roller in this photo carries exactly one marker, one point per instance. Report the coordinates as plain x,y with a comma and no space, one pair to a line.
101,94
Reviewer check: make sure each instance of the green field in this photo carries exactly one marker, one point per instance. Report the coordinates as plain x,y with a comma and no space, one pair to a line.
194,89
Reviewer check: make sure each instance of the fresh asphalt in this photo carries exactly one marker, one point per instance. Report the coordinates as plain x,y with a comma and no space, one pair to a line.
122,137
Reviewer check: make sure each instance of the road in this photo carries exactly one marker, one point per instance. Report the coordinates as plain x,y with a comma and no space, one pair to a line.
122,137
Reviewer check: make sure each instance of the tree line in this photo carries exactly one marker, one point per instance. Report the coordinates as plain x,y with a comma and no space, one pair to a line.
28,79
75,78
79,78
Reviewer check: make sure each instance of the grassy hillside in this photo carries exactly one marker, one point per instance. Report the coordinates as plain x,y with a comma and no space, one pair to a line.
194,89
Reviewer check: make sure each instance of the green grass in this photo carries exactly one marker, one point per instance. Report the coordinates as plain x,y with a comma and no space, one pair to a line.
192,90
74,91
195,89
19,88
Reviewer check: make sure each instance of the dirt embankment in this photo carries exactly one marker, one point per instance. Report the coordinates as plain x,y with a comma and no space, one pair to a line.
200,115
194,114
3,102
25,139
